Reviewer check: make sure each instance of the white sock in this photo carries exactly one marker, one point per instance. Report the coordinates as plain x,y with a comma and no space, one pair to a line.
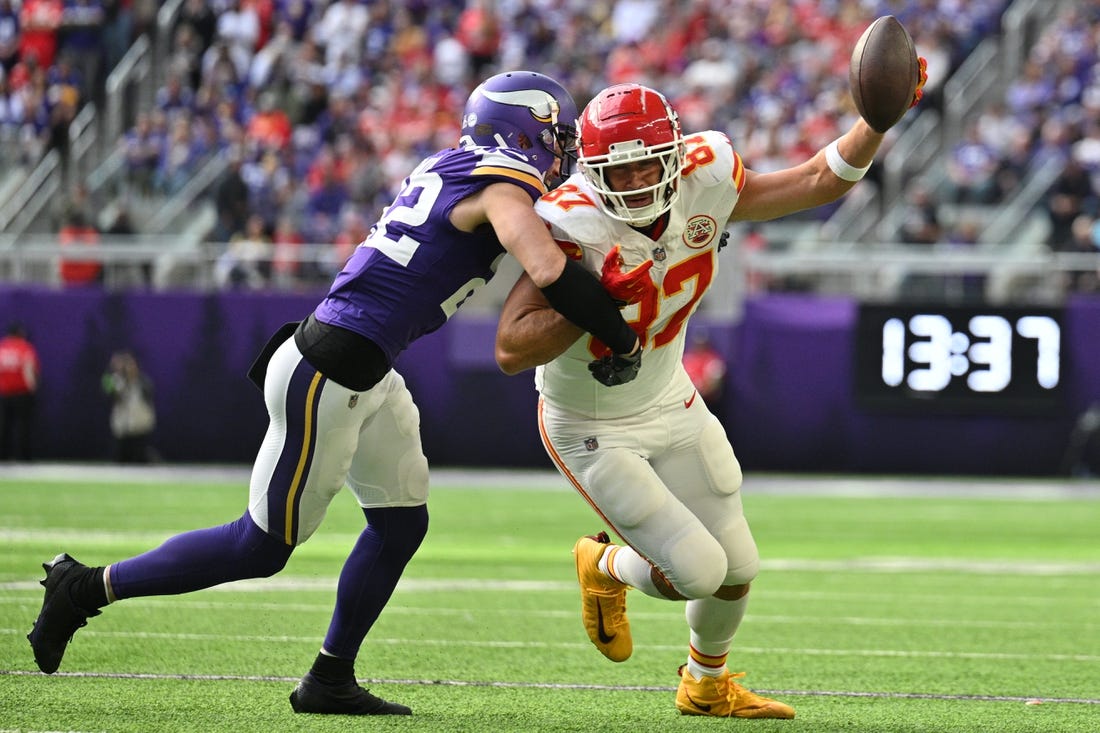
624,564
713,623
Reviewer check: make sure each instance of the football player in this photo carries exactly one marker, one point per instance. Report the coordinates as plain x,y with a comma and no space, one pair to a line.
339,413
647,210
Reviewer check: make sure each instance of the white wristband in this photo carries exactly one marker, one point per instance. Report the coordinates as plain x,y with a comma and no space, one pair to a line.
842,168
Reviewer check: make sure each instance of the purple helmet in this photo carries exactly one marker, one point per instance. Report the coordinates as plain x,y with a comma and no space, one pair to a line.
526,111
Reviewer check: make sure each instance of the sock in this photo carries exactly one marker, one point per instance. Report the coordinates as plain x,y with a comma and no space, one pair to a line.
624,564
199,559
606,564
713,623
88,591
371,572
704,665
329,670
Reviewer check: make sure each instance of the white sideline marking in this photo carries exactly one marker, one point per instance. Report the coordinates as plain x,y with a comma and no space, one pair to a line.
675,613
434,585
553,686
925,565
502,644
409,585
1042,489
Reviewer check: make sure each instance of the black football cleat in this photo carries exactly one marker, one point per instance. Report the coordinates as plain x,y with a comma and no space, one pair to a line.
59,618
310,696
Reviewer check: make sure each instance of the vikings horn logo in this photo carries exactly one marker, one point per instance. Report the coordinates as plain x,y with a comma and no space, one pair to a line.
699,231
542,105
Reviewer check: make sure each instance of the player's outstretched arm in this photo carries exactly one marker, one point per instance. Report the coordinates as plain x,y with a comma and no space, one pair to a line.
813,183
822,179
530,332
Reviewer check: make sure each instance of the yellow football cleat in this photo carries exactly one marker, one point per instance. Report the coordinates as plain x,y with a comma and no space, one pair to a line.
721,697
603,600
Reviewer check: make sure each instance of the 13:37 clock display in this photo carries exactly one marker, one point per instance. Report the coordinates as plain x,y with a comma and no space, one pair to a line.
960,358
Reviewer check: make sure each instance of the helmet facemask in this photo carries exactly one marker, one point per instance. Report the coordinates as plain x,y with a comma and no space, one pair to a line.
563,144
561,140
664,192
630,124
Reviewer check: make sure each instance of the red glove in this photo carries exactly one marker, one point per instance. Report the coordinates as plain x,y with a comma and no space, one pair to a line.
922,64
624,287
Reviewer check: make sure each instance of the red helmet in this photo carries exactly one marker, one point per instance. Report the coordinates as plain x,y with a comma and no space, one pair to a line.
627,123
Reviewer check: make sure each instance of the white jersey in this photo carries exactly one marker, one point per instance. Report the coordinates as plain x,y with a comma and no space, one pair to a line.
685,262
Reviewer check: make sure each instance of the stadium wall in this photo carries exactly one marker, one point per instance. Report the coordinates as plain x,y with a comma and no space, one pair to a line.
790,402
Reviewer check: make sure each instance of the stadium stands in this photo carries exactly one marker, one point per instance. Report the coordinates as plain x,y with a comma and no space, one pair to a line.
312,109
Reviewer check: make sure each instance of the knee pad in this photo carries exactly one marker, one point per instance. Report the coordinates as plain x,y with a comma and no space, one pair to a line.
631,496
742,556
698,564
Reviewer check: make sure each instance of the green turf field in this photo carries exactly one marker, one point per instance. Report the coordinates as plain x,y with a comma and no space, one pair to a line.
872,612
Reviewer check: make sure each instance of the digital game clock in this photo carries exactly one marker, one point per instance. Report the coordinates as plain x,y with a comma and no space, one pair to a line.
971,359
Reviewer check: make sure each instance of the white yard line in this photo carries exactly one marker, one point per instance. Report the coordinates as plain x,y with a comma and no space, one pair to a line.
528,644
755,483
894,565
559,686
674,613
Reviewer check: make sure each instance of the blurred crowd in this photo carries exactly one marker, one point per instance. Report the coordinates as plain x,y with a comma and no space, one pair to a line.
1050,114
1057,105
54,56
323,106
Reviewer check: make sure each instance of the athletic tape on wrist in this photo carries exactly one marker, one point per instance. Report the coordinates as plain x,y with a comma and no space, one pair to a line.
842,168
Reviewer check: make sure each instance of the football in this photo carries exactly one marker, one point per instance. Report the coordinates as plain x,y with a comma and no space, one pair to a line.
883,73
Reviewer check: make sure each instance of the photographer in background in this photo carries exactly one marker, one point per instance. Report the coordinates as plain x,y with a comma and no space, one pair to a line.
133,415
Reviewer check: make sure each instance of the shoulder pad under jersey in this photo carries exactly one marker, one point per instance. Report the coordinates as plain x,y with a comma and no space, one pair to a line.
572,212
710,160
508,165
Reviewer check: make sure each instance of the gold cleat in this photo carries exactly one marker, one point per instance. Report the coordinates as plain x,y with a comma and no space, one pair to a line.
721,697
603,600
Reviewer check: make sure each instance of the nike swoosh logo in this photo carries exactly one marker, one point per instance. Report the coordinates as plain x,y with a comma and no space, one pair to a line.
704,708
690,401
600,631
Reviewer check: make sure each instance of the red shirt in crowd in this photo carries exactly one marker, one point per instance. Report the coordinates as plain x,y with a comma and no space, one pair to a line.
41,20
79,271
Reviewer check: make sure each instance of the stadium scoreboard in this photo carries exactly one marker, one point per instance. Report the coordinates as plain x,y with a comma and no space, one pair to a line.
959,359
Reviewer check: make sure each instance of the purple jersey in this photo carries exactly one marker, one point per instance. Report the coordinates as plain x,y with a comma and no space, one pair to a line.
415,268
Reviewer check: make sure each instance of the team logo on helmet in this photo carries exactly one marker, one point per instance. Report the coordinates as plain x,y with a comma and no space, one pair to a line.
699,231
542,105
523,111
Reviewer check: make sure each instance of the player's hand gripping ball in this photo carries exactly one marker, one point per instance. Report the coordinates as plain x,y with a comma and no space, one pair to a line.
885,74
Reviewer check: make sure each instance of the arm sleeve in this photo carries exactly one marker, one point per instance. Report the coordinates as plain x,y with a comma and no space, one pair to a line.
578,296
